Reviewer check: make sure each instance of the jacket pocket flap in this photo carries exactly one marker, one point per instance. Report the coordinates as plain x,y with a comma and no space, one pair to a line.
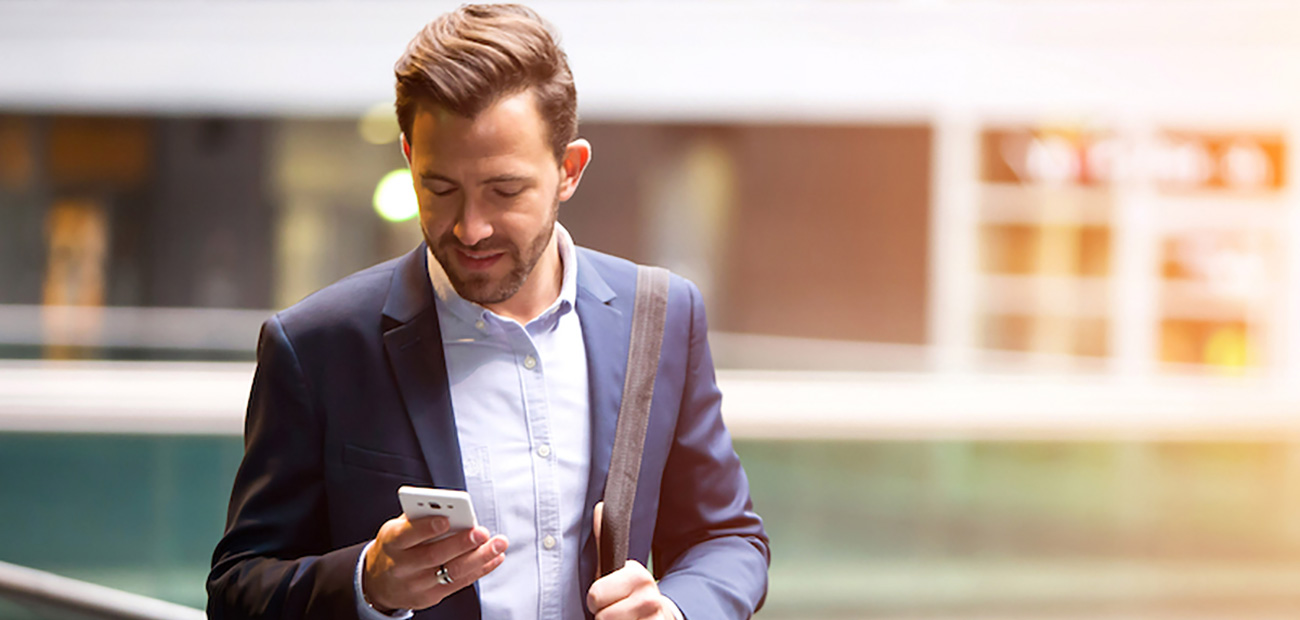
384,462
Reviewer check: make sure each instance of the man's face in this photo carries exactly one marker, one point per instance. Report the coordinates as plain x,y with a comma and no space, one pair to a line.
489,190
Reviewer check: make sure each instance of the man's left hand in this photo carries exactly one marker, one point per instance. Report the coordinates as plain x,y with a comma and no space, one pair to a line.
629,593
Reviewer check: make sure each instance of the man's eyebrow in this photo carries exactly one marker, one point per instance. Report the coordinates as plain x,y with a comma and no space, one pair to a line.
507,178
433,176
500,178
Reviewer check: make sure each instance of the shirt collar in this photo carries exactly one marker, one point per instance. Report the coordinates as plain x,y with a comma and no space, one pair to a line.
471,313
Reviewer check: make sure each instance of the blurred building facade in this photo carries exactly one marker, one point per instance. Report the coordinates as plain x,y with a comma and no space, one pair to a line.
1005,296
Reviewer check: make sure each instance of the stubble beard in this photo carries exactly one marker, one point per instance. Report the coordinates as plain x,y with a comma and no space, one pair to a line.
481,288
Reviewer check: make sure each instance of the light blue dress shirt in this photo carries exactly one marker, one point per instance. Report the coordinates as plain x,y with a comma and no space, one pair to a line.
520,397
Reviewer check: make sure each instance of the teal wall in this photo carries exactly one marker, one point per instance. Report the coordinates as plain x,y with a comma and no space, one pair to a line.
136,513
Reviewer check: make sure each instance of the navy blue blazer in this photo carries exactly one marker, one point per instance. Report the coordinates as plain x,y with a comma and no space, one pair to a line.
350,401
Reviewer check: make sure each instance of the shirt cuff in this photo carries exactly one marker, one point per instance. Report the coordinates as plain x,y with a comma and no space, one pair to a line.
364,610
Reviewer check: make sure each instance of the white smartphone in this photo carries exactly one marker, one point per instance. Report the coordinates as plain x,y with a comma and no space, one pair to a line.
420,502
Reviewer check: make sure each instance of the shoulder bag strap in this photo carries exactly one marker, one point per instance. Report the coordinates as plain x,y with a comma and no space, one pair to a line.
633,415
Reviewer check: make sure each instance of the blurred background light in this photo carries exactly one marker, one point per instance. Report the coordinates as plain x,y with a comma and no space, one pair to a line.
395,196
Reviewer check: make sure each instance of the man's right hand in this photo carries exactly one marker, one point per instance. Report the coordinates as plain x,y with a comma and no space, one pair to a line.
401,568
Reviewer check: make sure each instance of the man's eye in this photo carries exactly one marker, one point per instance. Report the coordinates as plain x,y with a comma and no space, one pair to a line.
508,192
442,190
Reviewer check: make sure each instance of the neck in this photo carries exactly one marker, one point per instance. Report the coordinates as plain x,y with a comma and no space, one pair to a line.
539,291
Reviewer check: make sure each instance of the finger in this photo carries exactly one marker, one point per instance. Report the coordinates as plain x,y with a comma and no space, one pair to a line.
472,566
643,606
618,585
439,552
421,587
406,534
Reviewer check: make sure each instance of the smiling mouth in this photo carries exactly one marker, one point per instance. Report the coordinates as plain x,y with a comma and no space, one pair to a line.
478,260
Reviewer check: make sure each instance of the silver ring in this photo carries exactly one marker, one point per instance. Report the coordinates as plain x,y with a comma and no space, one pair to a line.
444,578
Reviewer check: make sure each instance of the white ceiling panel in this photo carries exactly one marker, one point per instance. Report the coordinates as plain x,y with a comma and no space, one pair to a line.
676,60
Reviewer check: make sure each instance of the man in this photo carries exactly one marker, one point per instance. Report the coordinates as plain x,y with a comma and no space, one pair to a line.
490,359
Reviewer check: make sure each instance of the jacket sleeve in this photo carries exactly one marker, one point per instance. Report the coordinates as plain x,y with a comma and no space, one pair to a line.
710,550
274,560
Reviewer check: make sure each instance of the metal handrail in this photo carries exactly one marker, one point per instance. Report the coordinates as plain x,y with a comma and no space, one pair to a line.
50,591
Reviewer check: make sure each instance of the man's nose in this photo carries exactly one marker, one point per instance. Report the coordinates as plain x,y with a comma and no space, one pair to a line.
472,226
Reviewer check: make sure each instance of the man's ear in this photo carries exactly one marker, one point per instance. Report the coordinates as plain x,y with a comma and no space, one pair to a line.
406,150
576,157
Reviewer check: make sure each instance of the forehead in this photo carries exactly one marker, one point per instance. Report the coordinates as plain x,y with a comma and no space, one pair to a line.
511,126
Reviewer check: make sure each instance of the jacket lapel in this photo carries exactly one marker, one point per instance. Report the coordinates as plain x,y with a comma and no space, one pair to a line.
413,342
605,333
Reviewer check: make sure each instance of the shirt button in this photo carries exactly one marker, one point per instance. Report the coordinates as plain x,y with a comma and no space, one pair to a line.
530,362
548,542
543,450
480,325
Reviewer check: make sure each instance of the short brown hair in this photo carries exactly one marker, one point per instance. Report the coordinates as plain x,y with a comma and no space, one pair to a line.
466,60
